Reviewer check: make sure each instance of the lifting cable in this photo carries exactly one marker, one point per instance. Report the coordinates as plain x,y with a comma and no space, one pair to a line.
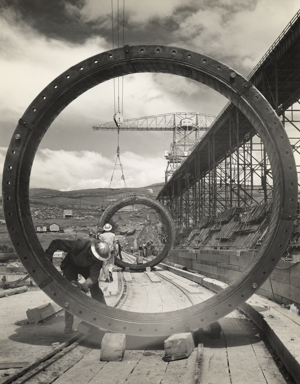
118,162
118,115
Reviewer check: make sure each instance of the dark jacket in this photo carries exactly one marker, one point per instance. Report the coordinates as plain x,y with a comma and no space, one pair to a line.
79,252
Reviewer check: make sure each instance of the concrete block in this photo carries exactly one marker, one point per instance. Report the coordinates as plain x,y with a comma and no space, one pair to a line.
250,255
40,313
148,269
113,347
179,346
240,261
186,263
234,267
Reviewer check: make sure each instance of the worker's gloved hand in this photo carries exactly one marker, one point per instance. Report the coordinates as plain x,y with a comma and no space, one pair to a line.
83,287
76,284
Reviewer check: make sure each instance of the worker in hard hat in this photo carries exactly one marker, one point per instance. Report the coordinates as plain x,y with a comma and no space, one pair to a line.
110,239
86,258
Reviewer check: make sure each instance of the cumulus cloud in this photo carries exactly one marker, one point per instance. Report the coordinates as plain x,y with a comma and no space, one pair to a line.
32,61
68,170
40,42
90,11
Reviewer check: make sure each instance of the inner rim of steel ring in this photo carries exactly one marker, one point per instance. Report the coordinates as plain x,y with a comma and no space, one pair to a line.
93,71
165,216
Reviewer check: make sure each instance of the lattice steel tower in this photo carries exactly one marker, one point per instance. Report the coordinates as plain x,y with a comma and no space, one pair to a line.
188,129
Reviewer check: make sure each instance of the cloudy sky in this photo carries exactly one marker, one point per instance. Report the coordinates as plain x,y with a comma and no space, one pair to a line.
40,39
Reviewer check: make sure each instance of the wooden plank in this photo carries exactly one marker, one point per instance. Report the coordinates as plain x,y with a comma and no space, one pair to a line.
118,372
85,370
196,277
4,256
7,269
278,330
175,372
57,368
43,361
214,363
181,371
243,363
127,277
149,370
267,364
153,277
13,364
286,312
13,291
198,364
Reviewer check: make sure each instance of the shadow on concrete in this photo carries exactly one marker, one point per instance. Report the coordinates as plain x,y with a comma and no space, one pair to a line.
235,332
44,333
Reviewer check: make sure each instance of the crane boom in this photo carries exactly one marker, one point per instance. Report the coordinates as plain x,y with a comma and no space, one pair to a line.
188,129
163,122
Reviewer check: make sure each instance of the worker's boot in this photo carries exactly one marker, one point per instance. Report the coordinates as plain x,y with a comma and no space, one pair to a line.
69,320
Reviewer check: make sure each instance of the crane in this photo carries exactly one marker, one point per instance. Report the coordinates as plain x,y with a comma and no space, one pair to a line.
188,129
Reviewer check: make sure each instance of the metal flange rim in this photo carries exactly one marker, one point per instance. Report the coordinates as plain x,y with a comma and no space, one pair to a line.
165,216
93,71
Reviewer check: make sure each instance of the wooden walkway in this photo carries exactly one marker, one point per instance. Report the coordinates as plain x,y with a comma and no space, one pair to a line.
238,356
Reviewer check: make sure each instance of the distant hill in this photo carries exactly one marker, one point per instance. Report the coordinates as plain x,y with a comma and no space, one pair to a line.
86,197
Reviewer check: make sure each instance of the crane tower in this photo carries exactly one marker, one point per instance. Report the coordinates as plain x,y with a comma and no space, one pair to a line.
188,129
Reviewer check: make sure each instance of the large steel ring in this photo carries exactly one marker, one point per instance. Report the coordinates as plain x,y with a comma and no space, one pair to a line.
91,72
166,219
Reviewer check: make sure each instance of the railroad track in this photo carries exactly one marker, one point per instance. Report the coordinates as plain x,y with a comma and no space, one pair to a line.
233,353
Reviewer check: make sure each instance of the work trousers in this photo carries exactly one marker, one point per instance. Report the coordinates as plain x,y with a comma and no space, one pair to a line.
71,272
108,265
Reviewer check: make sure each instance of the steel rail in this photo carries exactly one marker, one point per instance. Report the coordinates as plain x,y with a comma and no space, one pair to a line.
91,72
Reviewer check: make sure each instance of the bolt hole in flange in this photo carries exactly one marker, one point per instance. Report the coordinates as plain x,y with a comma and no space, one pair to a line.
199,68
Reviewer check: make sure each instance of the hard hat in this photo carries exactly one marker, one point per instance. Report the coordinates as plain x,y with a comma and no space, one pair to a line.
107,227
100,250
